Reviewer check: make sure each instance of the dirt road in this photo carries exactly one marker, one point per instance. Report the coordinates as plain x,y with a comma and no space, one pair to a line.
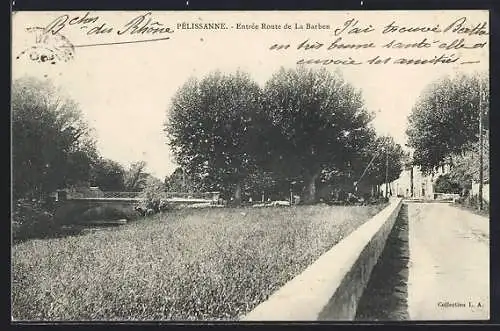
449,263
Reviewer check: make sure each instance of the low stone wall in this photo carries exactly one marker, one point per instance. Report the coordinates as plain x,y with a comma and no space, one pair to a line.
331,287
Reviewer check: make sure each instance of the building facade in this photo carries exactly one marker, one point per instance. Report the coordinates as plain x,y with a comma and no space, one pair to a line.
413,183
486,190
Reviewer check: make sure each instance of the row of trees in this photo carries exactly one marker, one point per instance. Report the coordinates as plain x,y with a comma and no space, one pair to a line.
444,127
304,127
53,147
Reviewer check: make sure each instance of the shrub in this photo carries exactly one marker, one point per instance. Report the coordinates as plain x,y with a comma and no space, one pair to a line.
31,218
152,197
444,184
472,201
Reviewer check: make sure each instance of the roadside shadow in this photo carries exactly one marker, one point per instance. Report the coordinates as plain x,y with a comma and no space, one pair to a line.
61,231
76,220
386,295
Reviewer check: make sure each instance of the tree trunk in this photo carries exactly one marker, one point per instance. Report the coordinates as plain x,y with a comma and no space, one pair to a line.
310,192
237,194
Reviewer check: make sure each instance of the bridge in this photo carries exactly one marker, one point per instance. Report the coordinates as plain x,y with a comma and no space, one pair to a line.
133,197
73,206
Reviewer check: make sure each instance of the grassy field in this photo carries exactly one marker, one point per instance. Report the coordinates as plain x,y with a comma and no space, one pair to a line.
185,265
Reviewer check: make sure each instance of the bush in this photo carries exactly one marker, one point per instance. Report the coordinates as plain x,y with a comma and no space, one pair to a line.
473,203
152,197
379,200
444,184
31,218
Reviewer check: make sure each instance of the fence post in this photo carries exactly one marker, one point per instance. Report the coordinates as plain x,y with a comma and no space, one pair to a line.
61,195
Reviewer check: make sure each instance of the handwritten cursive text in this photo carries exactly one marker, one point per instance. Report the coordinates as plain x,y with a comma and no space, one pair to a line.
62,21
144,24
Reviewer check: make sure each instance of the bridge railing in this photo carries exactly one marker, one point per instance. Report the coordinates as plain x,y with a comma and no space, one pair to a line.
120,195
80,195
194,195
211,196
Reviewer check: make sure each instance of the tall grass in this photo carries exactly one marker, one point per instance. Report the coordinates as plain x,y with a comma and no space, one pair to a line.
184,265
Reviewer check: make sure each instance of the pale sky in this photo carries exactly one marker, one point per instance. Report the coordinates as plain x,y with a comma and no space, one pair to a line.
124,90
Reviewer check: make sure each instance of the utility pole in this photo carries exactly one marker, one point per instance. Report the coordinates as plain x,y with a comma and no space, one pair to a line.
183,185
411,181
480,148
386,172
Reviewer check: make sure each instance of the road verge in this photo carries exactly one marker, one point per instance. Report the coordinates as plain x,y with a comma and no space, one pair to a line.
330,288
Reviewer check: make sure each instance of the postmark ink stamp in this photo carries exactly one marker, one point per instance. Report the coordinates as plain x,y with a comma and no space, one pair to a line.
47,47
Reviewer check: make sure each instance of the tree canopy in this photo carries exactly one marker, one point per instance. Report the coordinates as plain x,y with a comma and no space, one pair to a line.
52,146
209,129
180,181
445,119
318,121
386,153
135,177
108,175
304,126
445,184
466,167
367,169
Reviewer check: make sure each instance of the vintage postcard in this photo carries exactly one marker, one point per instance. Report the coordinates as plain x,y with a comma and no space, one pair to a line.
250,165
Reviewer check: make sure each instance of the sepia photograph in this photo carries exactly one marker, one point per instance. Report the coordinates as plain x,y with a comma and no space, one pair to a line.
250,166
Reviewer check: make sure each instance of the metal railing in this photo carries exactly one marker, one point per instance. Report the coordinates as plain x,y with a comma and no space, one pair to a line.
194,195
120,195
211,196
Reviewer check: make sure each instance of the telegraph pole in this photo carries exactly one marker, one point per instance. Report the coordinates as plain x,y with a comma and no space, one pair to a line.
386,173
480,148
411,180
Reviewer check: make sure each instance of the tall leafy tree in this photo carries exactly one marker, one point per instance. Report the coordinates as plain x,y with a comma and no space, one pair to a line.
466,166
108,175
369,167
52,146
318,122
389,157
209,126
445,119
180,181
260,182
136,176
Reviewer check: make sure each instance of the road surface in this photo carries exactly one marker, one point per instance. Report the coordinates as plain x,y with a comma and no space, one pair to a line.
449,263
